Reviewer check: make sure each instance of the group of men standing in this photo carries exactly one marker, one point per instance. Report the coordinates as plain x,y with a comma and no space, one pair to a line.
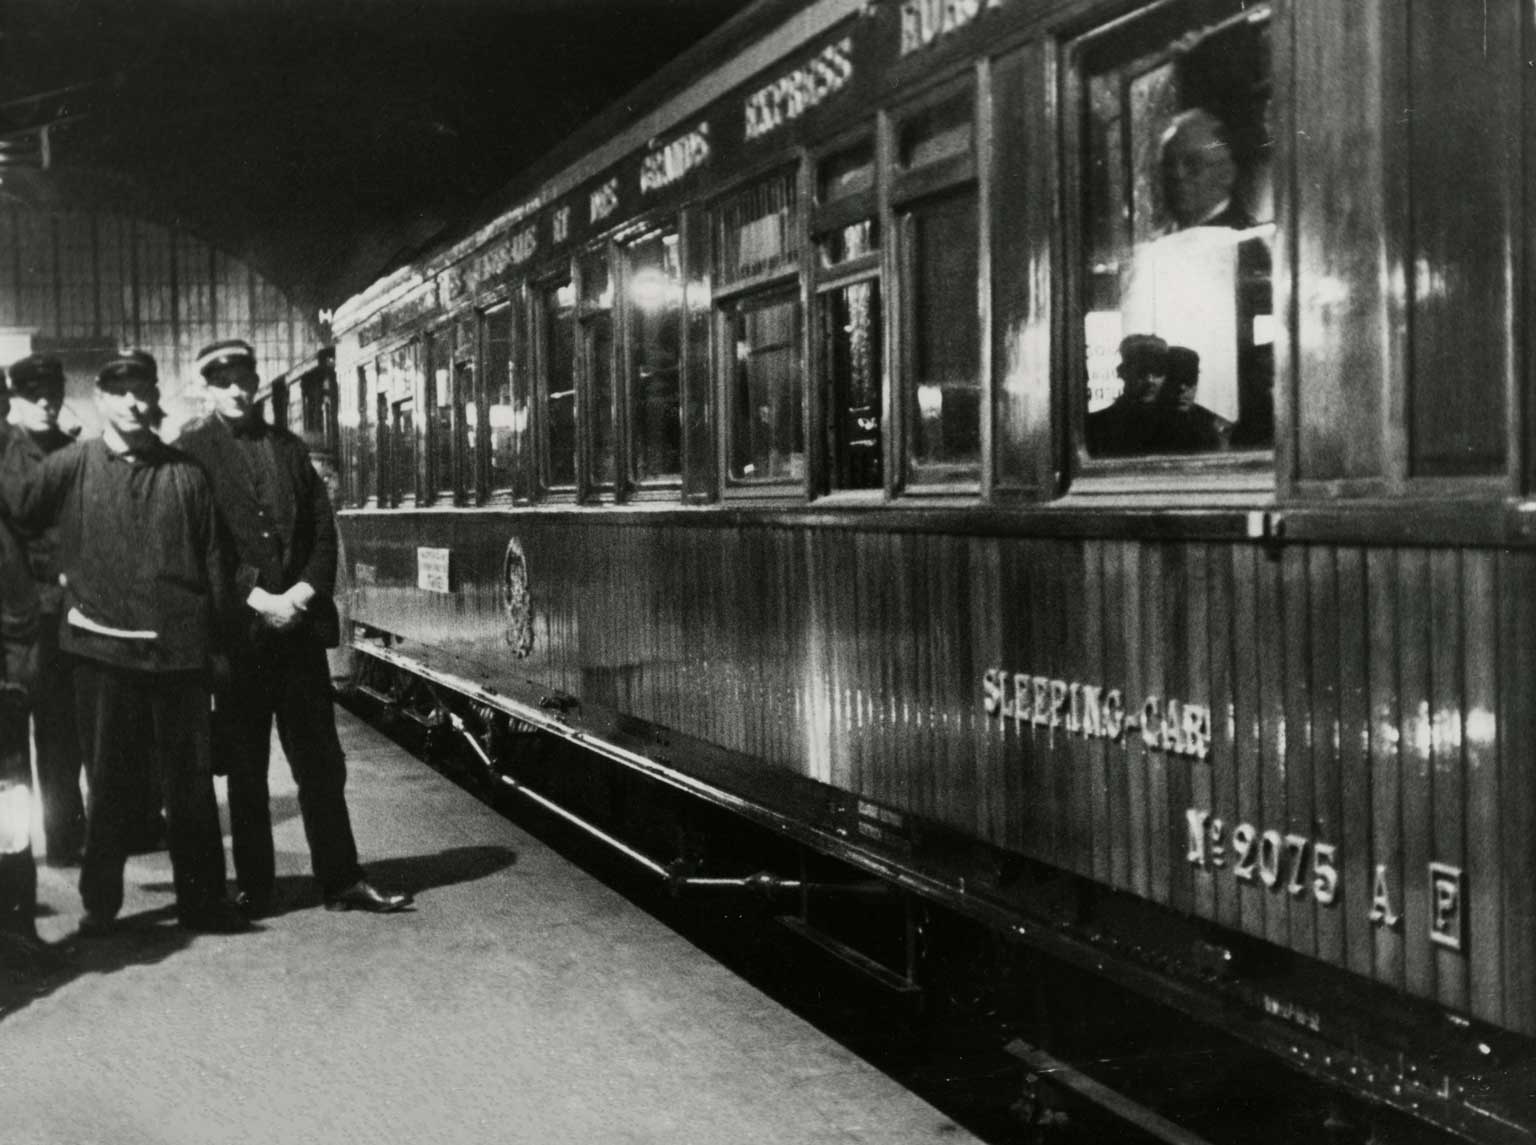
160,607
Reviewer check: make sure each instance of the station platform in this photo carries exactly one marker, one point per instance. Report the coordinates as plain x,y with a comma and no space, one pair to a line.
520,1001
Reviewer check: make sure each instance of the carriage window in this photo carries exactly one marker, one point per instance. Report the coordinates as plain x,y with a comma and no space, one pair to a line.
765,408
507,404
655,288
558,382
851,355
357,454
596,327
759,332
849,322
442,415
1177,231
398,374
942,409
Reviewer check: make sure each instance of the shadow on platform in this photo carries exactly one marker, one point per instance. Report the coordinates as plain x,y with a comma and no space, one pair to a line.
147,937
141,939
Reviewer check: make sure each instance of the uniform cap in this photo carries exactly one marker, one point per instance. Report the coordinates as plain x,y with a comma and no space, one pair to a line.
36,374
130,366
230,352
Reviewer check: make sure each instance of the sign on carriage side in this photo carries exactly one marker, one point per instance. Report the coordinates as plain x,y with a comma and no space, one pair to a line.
432,570
666,165
1093,711
796,92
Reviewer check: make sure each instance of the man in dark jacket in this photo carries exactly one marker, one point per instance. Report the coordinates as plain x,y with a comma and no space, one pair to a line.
19,943
143,584
277,516
37,398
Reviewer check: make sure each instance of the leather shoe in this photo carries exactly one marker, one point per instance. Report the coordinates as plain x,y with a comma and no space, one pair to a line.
215,918
363,895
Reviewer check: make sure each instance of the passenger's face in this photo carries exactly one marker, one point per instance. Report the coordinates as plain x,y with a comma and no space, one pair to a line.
39,413
1198,173
233,391
130,411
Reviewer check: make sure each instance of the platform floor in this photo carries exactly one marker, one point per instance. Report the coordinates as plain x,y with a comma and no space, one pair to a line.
521,1001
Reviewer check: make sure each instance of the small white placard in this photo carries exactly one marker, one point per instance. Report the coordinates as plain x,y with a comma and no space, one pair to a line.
432,570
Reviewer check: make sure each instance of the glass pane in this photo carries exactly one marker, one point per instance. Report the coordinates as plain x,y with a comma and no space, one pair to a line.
755,231
851,333
500,409
943,402
767,434
846,173
847,243
443,412
939,132
597,345
402,456
559,381
355,441
655,289
1178,222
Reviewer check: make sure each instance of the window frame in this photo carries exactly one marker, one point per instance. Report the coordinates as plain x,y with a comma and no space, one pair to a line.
907,190
1253,470
626,384
540,286
822,219
787,281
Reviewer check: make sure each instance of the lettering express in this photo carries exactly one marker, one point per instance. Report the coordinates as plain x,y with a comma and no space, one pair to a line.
1095,712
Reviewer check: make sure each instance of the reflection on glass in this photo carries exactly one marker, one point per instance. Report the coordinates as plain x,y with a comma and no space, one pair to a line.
597,351
500,411
441,411
848,243
851,352
559,382
943,407
403,451
942,131
767,435
1178,317
846,173
754,231
656,326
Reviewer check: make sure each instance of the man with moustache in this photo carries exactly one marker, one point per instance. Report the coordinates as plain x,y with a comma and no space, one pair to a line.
142,594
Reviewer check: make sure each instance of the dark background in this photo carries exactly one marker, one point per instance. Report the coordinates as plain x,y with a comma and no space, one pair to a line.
318,140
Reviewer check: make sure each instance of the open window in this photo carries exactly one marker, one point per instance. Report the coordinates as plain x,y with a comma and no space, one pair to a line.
1176,234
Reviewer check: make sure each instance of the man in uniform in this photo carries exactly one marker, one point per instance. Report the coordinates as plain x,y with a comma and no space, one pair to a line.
278,518
19,944
143,585
37,397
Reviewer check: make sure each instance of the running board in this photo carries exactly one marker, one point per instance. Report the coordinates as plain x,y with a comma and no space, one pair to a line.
863,963
1058,1072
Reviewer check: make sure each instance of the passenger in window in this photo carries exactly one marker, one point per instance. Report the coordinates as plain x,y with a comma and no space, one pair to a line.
1183,424
1128,427
1200,174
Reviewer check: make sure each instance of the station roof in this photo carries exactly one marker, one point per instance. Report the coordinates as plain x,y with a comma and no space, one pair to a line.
319,140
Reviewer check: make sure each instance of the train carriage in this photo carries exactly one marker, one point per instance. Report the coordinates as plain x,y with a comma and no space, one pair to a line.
1069,458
